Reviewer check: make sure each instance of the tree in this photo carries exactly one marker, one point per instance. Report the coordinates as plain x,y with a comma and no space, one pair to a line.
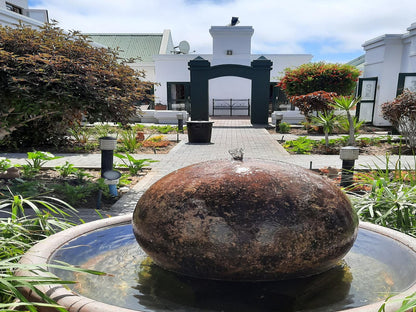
401,112
50,79
314,101
346,104
320,76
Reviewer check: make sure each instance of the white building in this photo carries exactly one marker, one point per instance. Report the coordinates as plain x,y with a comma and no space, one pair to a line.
13,12
389,67
230,45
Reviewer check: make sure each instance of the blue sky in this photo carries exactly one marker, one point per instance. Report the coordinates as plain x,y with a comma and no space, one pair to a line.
330,30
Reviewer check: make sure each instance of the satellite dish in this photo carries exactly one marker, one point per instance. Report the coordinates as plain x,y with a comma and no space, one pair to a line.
184,47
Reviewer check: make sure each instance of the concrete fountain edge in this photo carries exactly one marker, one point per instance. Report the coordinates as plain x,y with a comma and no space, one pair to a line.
40,254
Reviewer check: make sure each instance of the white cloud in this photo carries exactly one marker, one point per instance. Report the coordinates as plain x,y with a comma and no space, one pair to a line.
280,26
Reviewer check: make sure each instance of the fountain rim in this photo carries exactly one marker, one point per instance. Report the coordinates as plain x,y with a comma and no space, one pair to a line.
42,252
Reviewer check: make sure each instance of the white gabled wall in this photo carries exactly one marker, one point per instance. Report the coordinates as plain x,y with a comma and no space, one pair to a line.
385,57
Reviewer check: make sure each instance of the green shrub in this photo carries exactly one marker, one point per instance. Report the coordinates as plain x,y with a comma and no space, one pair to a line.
37,159
5,164
81,133
301,145
284,127
77,194
66,169
133,165
128,141
164,129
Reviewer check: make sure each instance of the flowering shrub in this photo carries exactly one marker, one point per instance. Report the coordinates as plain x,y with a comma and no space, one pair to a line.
315,101
311,77
401,112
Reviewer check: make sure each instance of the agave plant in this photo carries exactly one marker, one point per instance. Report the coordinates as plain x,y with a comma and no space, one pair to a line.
328,121
346,104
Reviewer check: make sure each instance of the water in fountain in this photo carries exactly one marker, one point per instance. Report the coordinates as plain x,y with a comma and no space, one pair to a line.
375,268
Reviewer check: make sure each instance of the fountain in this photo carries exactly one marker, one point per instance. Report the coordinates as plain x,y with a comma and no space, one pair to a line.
233,236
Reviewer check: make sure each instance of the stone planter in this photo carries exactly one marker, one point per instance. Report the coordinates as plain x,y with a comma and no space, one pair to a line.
199,131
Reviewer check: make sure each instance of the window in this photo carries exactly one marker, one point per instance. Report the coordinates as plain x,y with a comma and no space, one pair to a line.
13,8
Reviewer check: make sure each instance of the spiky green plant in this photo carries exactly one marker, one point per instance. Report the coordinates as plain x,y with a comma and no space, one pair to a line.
21,230
327,120
347,103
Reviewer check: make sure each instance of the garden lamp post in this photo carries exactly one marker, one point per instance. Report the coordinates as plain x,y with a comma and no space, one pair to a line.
179,116
107,147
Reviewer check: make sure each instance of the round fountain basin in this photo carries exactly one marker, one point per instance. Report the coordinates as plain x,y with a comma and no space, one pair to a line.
381,263
250,220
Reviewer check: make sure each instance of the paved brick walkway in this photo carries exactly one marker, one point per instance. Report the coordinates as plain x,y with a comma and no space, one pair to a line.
226,134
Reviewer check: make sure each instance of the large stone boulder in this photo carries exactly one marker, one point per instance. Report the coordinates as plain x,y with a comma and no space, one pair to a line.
245,220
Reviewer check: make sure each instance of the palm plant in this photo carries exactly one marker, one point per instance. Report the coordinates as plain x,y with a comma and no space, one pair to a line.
346,103
328,121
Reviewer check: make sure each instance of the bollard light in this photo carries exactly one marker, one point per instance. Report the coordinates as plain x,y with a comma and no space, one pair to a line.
348,154
107,147
279,118
180,122
180,126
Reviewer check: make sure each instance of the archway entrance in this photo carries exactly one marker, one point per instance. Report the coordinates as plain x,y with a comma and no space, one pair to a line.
259,74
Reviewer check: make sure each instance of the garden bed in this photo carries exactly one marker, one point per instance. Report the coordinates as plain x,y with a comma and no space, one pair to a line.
370,141
90,192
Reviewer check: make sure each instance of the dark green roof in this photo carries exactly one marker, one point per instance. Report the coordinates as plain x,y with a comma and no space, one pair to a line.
143,46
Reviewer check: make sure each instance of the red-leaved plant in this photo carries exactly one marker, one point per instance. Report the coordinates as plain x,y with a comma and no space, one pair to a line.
316,101
401,112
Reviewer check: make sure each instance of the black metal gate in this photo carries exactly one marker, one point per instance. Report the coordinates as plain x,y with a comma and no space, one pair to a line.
238,106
